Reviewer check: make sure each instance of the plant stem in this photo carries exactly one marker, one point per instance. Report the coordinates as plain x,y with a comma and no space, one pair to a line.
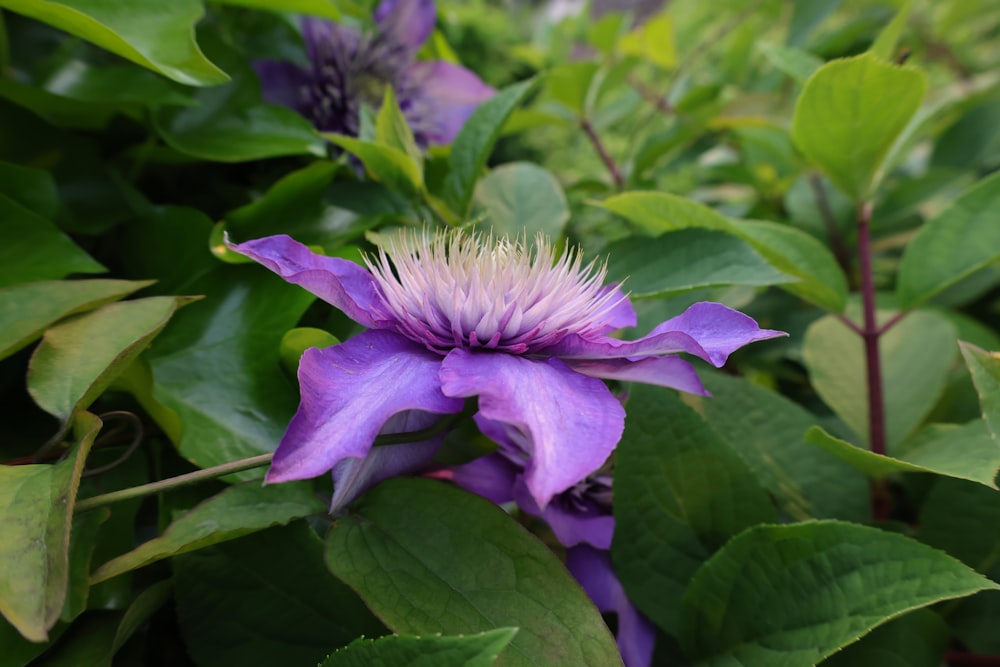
602,152
870,334
833,234
960,659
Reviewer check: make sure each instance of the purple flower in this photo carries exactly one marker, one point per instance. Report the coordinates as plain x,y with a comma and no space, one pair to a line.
581,519
457,316
350,69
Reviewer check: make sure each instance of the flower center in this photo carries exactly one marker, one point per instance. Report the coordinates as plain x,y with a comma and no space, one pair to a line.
465,290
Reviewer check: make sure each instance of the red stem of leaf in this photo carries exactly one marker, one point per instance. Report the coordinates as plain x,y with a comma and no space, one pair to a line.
602,152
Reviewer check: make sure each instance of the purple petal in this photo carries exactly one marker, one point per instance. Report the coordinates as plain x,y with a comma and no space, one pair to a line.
672,372
283,83
448,94
352,477
408,22
623,315
341,283
710,331
492,477
636,634
571,525
571,422
349,392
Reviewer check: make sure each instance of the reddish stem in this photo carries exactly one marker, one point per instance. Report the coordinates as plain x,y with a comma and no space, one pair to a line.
960,659
602,152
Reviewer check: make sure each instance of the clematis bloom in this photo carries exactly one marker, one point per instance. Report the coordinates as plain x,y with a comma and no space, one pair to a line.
349,69
457,316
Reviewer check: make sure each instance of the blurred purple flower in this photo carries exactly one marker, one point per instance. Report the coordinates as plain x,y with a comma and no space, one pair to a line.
456,316
581,519
349,69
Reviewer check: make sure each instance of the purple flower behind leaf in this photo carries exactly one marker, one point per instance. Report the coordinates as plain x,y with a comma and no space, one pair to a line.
459,316
349,69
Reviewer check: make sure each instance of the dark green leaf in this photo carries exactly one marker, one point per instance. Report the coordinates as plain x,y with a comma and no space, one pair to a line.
235,512
680,493
34,189
918,639
29,308
475,141
789,596
479,650
36,511
428,558
521,198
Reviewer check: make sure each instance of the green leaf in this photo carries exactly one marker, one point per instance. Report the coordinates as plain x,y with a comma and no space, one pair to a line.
34,189
965,452
916,355
796,63
83,539
788,250
148,32
266,599
687,260
885,44
964,520
985,369
32,248
951,246
36,512
79,358
848,115
388,165
653,42
232,513
29,308
916,639
391,129
479,650
475,141
324,8
806,483
521,198
569,83
296,341
680,492
427,557
822,584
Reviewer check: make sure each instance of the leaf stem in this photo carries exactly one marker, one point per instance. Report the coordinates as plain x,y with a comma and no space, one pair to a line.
602,152
870,334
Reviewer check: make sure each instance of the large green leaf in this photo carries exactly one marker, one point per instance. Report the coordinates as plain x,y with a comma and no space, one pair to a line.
788,250
36,512
32,248
916,639
266,599
29,308
474,142
79,358
964,452
34,189
154,34
964,520
952,245
985,369
479,650
685,260
916,355
850,112
680,493
788,596
234,512
387,164
427,557
521,198
807,483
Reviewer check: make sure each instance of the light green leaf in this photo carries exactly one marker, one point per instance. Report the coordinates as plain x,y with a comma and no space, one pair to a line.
985,369
36,512
28,309
916,355
298,340
391,129
794,62
478,650
388,165
686,260
951,246
788,250
427,557
154,34
32,248
653,41
680,492
324,8
964,452
78,359
232,513
885,44
475,141
521,199
848,115
822,584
